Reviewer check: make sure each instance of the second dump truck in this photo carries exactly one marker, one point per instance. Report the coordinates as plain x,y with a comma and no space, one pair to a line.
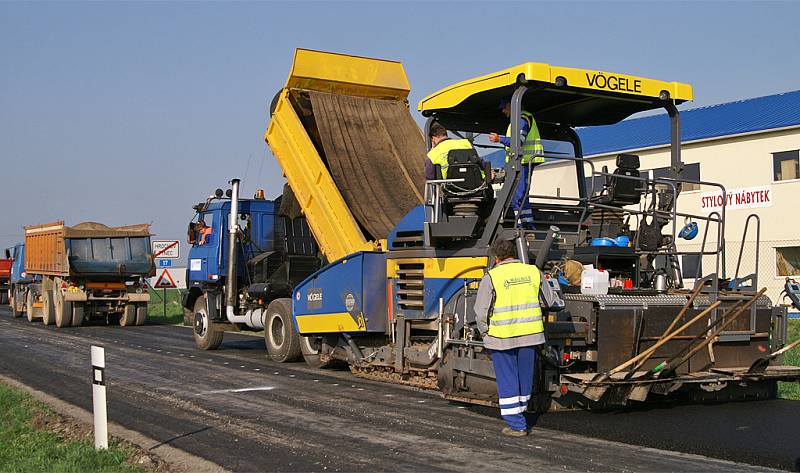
88,271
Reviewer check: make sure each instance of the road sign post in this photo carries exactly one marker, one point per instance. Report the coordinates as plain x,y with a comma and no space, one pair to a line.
166,249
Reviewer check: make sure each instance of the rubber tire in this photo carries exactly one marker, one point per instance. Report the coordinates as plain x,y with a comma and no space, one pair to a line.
311,353
141,313
48,311
63,310
211,339
280,336
78,309
14,312
128,316
3,297
29,306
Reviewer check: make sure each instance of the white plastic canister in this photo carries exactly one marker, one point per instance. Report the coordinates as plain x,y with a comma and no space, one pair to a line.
594,281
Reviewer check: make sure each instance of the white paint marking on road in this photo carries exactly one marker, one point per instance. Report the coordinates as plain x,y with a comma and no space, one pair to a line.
191,356
388,395
335,384
26,346
226,363
360,389
158,351
181,354
239,390
241,366
138,346
168,353
316,381
291,376
257,369
421,401
276,373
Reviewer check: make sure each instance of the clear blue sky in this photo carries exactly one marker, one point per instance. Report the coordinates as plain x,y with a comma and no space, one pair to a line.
131,112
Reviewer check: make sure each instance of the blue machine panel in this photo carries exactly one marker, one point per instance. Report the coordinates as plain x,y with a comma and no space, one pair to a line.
348,295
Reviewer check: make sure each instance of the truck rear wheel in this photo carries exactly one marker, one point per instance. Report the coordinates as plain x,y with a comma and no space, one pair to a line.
128,316
141,313
29,310
280,336
310,347
77,313
3,297
48,311
206,337
63,310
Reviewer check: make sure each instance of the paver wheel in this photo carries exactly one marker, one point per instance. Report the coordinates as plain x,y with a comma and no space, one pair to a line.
283,343
62,308
78,309
48,311
29,310
141,313
309,347
128,316
206,337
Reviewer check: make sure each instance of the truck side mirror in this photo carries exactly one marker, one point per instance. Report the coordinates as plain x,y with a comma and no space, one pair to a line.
218,193
8,253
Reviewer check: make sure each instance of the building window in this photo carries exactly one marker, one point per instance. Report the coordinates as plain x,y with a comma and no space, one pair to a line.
786,165
787,261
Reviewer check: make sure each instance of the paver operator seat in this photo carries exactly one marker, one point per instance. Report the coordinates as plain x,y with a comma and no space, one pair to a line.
623,187
471,196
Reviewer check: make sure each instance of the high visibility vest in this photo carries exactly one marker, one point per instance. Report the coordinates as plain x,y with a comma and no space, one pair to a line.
438,154
516,305
532,149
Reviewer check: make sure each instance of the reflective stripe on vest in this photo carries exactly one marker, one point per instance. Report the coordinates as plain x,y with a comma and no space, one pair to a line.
532,148
438,154
516,309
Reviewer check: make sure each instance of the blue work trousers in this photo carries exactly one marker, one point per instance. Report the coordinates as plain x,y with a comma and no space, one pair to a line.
514,372
521,201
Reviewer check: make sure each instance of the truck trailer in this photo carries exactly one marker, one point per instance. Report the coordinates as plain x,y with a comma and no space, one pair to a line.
404,256
86,272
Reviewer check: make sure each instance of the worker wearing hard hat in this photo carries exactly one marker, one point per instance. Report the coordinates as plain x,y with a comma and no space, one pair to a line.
509,320
441,145
532,153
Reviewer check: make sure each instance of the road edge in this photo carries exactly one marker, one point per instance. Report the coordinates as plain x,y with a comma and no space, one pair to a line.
177,459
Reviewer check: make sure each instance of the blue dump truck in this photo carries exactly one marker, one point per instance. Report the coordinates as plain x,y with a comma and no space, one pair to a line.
89,271
245,258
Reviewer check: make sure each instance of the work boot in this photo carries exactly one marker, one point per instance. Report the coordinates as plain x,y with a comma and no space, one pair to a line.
509,432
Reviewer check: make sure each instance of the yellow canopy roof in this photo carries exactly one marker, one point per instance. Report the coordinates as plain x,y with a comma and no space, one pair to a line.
577,97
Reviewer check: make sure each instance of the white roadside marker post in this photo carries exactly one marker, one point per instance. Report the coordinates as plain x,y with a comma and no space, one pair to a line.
99,398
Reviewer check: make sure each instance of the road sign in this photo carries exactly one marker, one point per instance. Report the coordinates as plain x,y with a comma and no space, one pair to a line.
165,281
167,249
164,263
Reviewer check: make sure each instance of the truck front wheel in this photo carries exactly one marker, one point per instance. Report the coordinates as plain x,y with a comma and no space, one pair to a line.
16,302
141,313
280,336
206,337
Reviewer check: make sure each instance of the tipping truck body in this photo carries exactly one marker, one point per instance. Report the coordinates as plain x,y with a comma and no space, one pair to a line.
255,249
401,310
88,271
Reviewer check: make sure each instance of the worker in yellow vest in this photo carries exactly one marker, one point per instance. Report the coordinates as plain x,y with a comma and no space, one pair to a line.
532,154
509,319
441,145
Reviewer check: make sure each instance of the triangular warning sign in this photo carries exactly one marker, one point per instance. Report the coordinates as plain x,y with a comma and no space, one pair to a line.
165,281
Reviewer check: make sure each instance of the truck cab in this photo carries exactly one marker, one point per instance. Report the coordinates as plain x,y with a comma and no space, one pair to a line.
19,279
272,251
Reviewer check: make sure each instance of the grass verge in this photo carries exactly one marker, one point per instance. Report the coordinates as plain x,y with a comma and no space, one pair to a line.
34,438
792,357
174,312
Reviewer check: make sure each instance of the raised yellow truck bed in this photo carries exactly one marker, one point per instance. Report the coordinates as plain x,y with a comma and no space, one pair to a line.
342,132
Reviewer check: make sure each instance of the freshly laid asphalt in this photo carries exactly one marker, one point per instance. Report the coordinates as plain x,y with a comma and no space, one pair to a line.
246,413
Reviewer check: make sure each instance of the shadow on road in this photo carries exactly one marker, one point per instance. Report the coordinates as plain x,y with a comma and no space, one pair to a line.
178,437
